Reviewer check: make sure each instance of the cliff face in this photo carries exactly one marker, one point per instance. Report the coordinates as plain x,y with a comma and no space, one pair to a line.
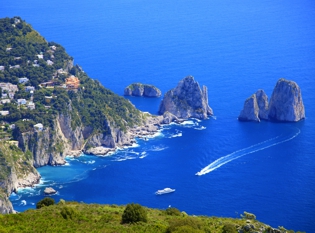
16,170
187,100
255,107
250,111
138,89
286,102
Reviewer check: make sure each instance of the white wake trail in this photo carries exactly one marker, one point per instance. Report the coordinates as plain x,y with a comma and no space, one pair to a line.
248,150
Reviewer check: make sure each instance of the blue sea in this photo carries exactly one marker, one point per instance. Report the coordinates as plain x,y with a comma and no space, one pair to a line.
234,48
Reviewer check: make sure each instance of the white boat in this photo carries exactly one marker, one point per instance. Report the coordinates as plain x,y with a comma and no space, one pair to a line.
164,191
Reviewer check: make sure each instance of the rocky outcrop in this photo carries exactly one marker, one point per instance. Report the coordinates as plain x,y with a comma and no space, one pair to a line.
16,171
250,110
187,100
286,102
139,89
262,102
49,191
255,107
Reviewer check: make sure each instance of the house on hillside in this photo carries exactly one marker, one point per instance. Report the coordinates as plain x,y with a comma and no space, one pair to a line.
39,127
72,82
15,67
1,68
23,80
47,84
21,101
29,88
30,105
8,90
4,113
49,62
5,101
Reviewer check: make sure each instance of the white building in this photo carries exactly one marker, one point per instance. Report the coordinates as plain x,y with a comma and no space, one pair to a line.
23,80
31,105
4,113
21,101
39,127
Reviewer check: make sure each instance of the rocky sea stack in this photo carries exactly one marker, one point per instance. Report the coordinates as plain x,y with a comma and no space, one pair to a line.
286,104
255,107
187,100
139,89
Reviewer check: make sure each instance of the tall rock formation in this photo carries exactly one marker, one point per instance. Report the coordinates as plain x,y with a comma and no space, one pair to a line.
139,89
286,102
250,111
255,107
187,100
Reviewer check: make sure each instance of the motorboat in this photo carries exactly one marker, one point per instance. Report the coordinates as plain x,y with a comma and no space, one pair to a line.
164,191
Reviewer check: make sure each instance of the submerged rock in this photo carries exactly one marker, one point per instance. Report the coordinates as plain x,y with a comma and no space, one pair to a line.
187,100
139,89
286,102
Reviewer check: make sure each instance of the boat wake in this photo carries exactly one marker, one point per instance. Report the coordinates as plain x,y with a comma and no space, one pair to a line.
248,150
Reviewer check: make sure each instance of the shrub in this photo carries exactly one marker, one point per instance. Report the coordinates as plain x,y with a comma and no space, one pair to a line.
172,211
68,212
185,223
134,213
47,201
61,202
229,228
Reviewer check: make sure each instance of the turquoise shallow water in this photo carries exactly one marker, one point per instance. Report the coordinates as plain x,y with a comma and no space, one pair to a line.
232,47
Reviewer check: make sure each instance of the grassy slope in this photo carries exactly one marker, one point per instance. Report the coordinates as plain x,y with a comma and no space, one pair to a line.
82,217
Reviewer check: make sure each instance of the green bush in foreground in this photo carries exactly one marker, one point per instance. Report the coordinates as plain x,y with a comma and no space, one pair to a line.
173,211
47,201
134,213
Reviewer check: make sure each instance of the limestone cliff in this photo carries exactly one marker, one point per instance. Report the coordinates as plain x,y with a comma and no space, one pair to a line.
187,100
255,107
139,89
286,102
16,170
250,110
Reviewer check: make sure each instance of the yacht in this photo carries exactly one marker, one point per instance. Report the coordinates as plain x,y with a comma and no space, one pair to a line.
164,191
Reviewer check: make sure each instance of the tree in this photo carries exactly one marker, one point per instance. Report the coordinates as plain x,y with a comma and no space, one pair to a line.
47,201
134,213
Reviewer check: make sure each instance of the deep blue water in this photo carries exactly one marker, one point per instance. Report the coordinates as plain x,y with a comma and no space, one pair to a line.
232,47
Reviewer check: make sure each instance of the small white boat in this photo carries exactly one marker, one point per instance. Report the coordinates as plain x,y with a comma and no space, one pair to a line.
164,191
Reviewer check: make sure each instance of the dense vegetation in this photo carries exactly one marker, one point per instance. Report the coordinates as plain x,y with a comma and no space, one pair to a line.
24,53
80,217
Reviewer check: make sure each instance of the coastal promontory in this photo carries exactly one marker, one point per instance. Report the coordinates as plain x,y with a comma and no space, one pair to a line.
187,100
50,108
286,104
139,89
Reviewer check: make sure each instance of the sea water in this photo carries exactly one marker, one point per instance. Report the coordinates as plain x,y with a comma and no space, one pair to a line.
219,166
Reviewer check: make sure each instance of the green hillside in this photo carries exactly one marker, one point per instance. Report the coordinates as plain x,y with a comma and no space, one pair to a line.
80,217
